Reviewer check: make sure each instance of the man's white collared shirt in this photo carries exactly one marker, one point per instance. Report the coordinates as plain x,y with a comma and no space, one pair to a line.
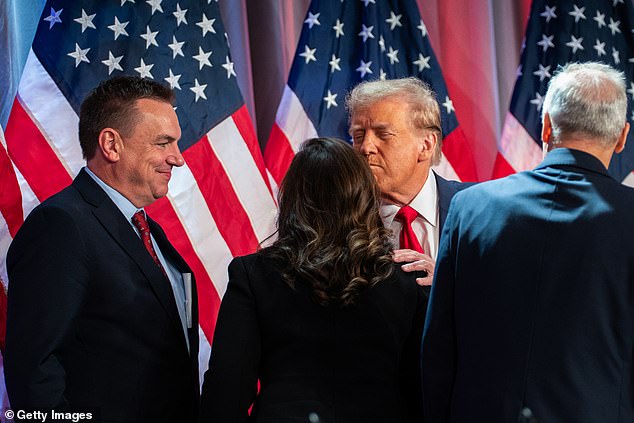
426,225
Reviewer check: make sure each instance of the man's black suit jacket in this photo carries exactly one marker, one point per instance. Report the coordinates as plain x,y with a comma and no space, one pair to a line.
92,321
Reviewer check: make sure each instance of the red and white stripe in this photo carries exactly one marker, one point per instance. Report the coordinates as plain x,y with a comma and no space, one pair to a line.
219,204
518,150
291,128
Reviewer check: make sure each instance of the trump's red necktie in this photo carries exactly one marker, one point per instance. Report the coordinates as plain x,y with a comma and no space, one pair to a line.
408,239
140,222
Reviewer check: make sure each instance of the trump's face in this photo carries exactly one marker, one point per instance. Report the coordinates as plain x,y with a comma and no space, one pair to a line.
395,150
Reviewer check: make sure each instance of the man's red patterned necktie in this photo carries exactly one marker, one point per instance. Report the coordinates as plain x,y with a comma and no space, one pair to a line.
140,222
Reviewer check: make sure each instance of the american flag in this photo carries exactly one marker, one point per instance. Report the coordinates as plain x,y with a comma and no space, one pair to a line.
341,44
559,32
219,204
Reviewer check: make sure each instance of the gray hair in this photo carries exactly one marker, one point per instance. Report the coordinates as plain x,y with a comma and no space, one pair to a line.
586,99
424,108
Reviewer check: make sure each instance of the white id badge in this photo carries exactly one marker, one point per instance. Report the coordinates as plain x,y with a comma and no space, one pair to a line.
187,282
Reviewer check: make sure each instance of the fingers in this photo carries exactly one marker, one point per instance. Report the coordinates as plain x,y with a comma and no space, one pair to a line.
426,281
404,255
426,265
415,261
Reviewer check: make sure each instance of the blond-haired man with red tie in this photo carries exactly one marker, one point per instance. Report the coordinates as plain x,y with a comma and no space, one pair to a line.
395,124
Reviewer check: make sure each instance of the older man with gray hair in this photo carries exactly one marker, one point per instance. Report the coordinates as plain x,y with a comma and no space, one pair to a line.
395,124
531,316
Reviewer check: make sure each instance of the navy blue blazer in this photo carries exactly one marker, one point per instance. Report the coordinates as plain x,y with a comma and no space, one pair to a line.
92,323
533,299
446,191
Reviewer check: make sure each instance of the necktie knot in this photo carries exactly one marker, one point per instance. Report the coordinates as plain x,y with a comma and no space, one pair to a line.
406,214
140,222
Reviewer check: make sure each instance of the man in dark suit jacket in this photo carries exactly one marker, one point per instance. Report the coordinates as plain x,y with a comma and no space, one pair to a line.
395,124
531,312
102,310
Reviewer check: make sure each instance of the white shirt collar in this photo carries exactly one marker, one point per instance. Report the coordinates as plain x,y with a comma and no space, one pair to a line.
425,203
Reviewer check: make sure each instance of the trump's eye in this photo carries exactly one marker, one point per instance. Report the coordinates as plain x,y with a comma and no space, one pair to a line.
357,137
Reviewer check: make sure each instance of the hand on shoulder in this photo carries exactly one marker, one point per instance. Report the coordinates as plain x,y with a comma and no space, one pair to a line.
415,261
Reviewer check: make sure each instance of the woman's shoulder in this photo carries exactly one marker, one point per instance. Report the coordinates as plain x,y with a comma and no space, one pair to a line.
257,266
397,298
404,282
405,277
257,259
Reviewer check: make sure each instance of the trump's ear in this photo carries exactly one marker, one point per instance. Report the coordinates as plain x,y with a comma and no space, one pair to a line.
110,144
427,146
620,144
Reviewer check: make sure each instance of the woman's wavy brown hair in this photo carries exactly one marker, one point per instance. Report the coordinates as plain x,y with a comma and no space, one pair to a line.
330,234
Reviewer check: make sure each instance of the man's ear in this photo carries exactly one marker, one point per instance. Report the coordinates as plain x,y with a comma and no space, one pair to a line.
110,144
427,145
547,129
620,144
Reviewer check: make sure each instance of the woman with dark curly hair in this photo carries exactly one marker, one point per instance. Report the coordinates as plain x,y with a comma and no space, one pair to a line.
322,317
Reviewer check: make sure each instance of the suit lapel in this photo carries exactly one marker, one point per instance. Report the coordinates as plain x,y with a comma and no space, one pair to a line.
167,248
171,254
113,221
445,193
175,258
